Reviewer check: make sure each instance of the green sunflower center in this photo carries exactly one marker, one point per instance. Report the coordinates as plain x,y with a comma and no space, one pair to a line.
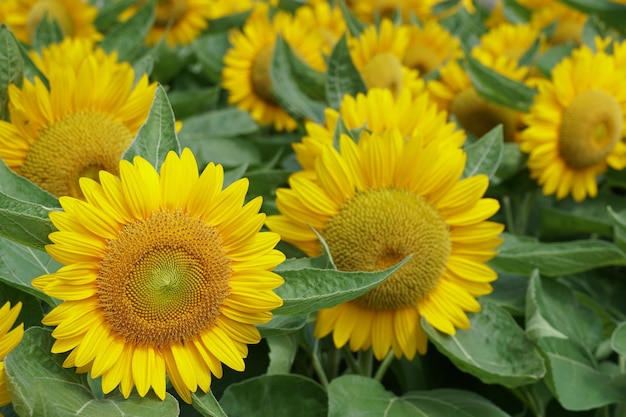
379,228
477,116
591,126
52,10
164,279
421,58
383,71
170,10
261,78
81,144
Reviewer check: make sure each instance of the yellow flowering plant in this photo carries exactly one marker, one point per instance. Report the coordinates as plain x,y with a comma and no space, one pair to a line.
312,208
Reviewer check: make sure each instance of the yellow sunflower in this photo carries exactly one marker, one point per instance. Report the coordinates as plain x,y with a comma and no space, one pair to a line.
429,212
180,21
368,10
83,123
576,125
8,341
569,22
378,53
430,46
75,17
164,275
377,111
246,73
321,17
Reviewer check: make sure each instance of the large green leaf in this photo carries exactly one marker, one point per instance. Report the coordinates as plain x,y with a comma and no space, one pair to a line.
342,76
495,349
11,67
127,39
40,386
157,137
207,405
192,102
554,259
484,155
618,339
282,325
276,396
285,85
221,123
20,264
283,349
355,395
310,289
24,210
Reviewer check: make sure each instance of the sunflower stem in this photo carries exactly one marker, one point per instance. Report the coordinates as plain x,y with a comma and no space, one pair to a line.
508,213
349,357
382,369
366,360
317,365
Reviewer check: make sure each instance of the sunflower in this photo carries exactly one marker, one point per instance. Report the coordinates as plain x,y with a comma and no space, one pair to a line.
75,18
246,73
378,53
429,213
430,46
569,22
83,123
377,111
164,274
180,21
321,17
576,124
8,341
369,10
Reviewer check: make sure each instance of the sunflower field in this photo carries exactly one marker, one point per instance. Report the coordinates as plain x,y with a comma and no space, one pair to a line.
223,208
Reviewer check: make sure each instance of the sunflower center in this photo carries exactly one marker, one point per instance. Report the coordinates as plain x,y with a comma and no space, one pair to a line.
163,279
261,78
421,58
477,116
168,10
80,144
383,71
591,126
52,10
380,227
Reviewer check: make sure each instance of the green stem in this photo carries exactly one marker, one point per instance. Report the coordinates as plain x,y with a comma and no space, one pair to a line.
366,360
527,398
382,369
317,365
526,207
508,213
349,357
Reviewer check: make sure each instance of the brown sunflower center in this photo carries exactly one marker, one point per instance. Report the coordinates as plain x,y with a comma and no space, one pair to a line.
379,228
421,58
78,145
163,279
383,71
52,10
261,78
591,126
170,10
477,116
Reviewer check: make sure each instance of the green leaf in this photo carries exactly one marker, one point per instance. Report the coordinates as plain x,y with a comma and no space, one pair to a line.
127,39
509,292
495,349
613,14
342,76
11,67
210,50
40,386
497,88
222,123
157,137
554,259
276,396
618,339
310,289
355,395
484,155
512,162
108,13
19,265
286,90
619,227
283,349
31,312
515,12
230,152
48,31
552,310
282,325
192,102
207,405
355,26
574,379
553,56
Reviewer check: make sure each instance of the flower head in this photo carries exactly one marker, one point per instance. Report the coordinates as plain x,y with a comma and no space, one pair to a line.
81,124
375,203
164,274
576,125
